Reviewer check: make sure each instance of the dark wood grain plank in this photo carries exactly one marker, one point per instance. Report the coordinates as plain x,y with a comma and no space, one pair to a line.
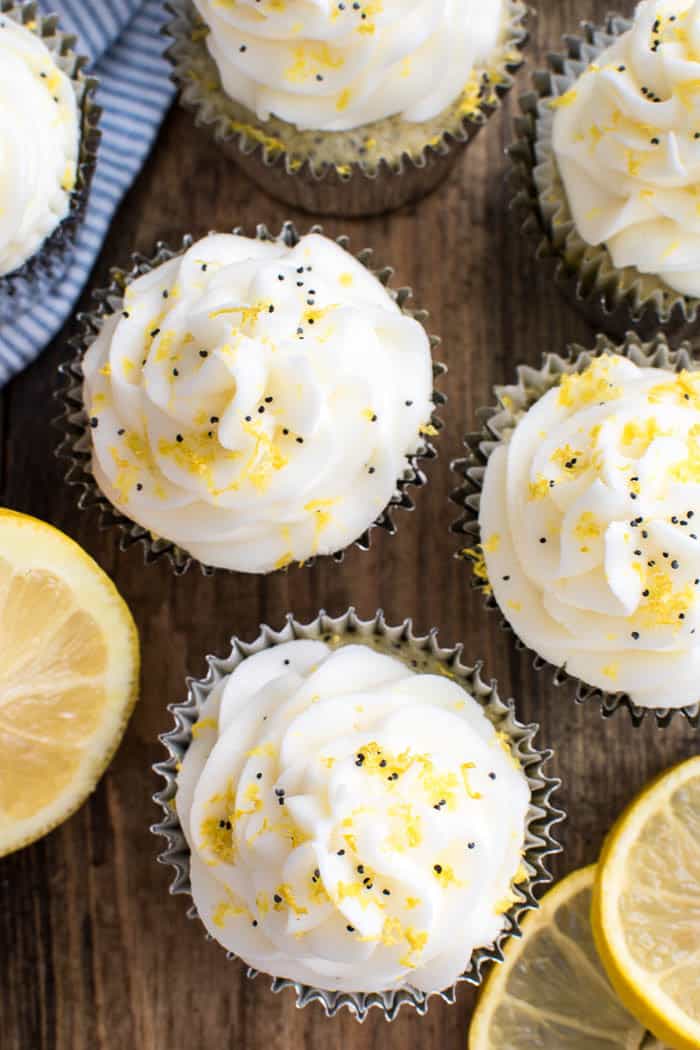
94,953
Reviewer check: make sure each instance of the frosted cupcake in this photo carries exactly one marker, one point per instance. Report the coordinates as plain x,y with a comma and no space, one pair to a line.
254,403
357,823
47,154
615,142
349,108
589,521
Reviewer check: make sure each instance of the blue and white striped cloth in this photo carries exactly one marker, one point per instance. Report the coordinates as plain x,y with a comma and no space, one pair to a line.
123,40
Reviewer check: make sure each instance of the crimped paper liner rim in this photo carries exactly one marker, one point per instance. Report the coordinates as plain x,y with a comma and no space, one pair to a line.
497,423
542,815
621,299
43,266
76,445
212,114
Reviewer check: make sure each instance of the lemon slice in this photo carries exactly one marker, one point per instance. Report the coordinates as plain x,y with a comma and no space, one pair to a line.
69,667
551,993
646,906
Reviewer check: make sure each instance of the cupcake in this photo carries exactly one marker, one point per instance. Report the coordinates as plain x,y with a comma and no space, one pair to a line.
249,403
589,520
345,109
49,142
355,813
608,165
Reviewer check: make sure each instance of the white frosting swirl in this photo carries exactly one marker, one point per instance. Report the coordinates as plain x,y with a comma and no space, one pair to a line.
590,517
331,66
39,141
626,138
255,403
353,825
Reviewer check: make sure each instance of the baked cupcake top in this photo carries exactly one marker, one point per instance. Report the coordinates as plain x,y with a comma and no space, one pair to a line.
255,403
590,526
626,139
39,143
330,66
354,826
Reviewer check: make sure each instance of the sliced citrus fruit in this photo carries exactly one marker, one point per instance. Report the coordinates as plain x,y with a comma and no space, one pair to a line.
551,992
646,906
69,668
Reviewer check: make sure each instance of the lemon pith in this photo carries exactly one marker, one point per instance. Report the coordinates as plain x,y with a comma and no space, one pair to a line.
646,906
69,669
551,991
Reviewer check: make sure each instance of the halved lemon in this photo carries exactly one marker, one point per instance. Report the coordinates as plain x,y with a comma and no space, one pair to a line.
69,670
551,992
646,906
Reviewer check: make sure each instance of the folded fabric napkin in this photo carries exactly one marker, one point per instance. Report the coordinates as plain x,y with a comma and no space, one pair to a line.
123,41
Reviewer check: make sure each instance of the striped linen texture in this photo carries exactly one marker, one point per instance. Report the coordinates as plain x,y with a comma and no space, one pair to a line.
124,43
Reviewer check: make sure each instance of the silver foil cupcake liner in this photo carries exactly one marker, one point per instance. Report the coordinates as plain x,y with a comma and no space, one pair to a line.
75,447
429,657
362,187
612,300
40,271
496,425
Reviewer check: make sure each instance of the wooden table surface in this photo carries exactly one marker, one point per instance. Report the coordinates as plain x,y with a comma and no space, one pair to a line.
94,953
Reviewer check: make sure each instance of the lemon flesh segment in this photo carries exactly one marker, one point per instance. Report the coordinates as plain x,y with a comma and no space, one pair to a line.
69,667
646,906
551,992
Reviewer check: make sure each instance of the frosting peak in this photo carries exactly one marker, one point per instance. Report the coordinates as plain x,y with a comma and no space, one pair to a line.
354,825
626,138
334,66
590,523
39,141
256,403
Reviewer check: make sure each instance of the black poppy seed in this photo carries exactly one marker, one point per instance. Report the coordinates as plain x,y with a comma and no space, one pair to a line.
254,922
286,663
300,441
665,554
505,579
370,470
268,400
633,495
408,404
350,929
121,432
492,776
387,893
635,635
674,519
638,553
645,594
166,293
543,539
175,372
271,309
373,419
222,823
139,487
204,353
94,422
621,69
179,438
341,853
204,266
383,763
261,409
155,332
437,868
248,419
125,313
213,419
243,48
681,616
655,142
360,869
645,534
258,776
277,899
471,845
